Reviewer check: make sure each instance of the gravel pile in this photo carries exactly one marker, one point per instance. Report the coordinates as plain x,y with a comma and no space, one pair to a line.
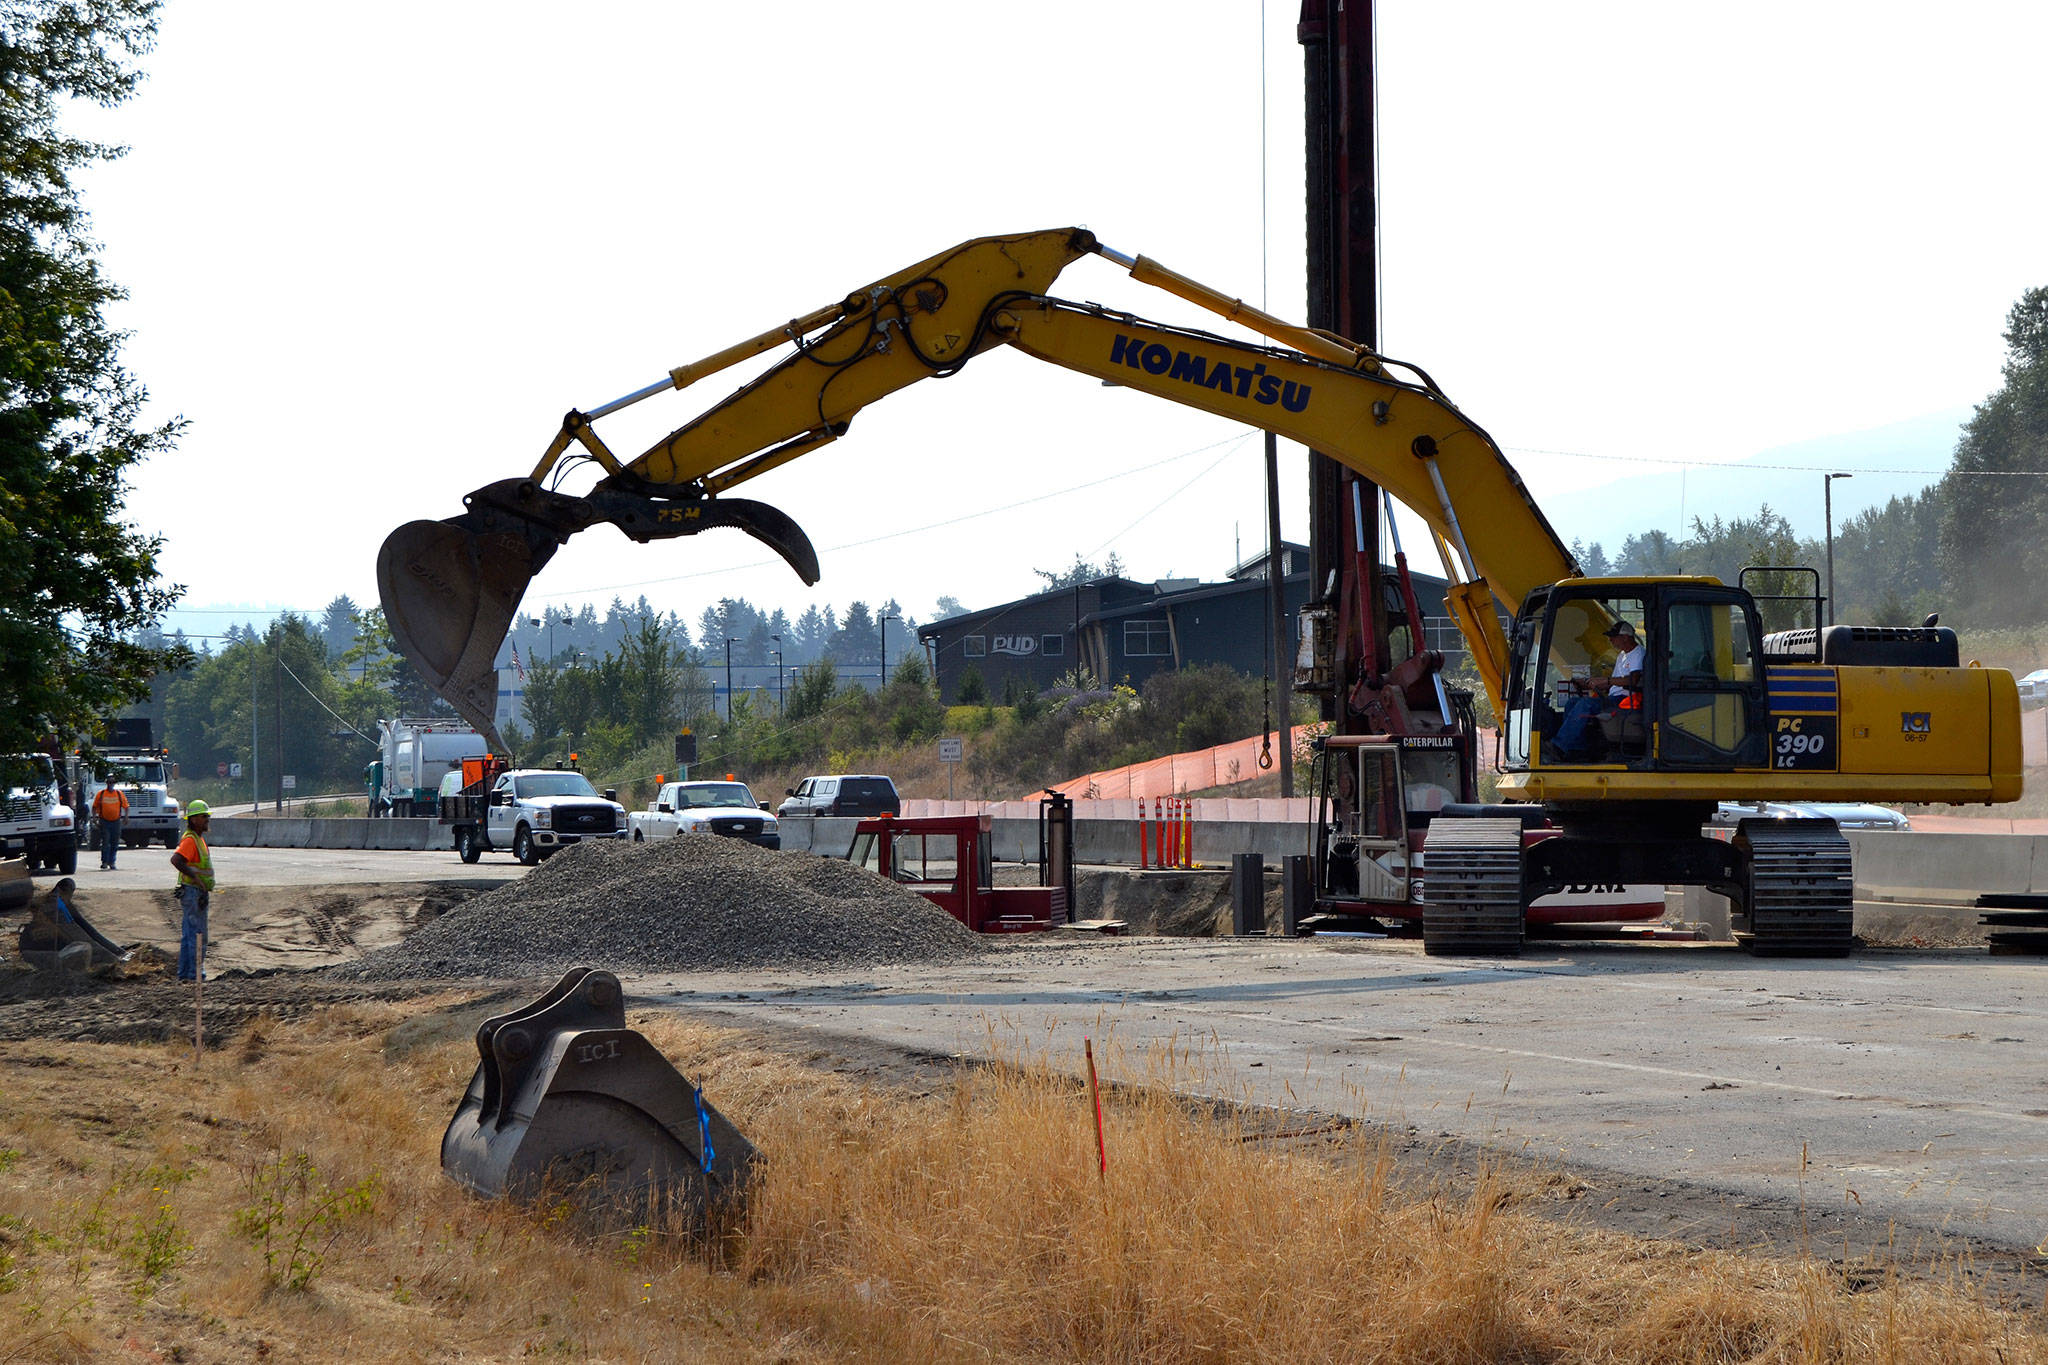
698,903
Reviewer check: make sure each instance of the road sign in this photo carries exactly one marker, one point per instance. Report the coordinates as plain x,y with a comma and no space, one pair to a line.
220,770
234,770
949,750
291,783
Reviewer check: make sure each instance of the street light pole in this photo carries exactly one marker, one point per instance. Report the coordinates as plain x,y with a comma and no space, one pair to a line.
1827,498
728,678
884,625
778,680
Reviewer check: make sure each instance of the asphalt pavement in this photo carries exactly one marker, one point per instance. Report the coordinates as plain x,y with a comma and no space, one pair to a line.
1902,1085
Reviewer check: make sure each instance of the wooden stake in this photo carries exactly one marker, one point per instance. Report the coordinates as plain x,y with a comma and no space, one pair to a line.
199,1004
1095,1098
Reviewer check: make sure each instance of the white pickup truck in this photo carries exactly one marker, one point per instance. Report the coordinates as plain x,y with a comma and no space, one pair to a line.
726,808
535,811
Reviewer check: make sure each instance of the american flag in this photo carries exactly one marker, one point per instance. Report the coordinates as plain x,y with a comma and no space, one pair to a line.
520,667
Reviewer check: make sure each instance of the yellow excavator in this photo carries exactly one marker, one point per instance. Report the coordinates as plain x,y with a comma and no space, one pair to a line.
1620,751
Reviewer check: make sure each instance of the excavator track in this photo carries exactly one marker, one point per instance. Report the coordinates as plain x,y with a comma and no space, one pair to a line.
1801,889
1474,888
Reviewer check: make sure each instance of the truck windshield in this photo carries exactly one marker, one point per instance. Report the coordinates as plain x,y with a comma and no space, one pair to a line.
555,784
136,774
718,794
21,771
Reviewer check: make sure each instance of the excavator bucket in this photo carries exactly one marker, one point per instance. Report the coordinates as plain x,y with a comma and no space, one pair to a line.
449,595
16,890
450,588
566,1099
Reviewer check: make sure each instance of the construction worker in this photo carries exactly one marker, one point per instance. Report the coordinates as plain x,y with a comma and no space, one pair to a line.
1620,688
110,808
194,862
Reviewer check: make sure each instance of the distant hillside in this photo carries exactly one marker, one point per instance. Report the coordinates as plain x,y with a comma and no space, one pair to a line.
1886,461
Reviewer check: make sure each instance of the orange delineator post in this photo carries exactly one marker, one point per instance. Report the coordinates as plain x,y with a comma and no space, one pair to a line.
1143,852
1159,823
1187,832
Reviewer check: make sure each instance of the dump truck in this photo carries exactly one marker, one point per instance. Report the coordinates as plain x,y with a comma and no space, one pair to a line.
36,821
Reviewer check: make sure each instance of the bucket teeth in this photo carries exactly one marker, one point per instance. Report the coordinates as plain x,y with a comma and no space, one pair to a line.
567,1100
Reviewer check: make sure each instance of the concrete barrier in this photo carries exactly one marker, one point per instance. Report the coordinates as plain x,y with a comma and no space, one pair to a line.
828,836
1948,867
266,831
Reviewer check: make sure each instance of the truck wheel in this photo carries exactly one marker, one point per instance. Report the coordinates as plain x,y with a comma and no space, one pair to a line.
638,837
67,857
523,848
466,845
170,841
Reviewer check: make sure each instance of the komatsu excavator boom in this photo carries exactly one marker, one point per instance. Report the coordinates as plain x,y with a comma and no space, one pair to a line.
1628,768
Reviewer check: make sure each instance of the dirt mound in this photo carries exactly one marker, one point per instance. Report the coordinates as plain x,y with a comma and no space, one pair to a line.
685,904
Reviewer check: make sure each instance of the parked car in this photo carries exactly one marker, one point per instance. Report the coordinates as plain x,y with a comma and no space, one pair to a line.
1845,814
2034,688
726,808
851,794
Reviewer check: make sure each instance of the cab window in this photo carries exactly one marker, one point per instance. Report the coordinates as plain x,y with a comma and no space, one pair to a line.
1573,676
925,858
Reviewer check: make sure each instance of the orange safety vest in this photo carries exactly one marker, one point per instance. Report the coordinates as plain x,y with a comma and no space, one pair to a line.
110,804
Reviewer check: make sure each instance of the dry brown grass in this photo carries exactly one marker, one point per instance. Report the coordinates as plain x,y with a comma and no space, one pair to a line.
962,1223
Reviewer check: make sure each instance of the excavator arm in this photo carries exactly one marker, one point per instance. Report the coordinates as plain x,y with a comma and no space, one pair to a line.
450,588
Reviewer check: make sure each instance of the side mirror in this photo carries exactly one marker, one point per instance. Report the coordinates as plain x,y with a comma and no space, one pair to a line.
666,809
500,798
611,793
789,791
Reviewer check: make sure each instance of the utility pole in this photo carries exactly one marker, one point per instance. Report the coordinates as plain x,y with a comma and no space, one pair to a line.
255,731
277,657
1827,499
728,679
1276,586
778,678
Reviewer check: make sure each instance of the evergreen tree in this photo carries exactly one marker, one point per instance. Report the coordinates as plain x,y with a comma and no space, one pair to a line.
1994,521
77,580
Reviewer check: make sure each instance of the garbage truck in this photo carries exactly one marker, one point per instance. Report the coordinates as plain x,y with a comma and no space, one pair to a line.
414,755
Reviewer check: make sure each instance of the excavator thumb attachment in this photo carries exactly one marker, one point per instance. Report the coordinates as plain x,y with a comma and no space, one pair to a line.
567,1100
450,588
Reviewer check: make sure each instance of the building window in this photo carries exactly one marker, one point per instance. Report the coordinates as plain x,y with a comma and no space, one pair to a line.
1053,647
1146,639
974,646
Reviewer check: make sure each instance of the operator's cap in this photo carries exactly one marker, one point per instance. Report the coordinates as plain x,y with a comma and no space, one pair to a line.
1620,628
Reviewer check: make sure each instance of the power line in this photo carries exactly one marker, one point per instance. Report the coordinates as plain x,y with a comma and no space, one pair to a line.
907,531
1741,466
1156,507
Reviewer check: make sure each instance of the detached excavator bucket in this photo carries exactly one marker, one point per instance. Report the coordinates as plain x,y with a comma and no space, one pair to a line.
16,890
566,1099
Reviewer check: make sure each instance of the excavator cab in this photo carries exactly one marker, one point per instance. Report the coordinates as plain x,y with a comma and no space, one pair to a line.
1639,674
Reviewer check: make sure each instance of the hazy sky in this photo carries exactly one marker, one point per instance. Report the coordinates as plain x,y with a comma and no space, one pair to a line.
375,252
